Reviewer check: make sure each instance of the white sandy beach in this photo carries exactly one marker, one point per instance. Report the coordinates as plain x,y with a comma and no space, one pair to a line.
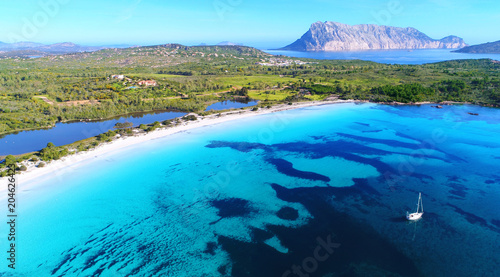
28,179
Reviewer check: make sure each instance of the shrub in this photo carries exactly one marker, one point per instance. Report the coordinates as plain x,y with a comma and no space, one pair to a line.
42,164
81,147
255,109
190,117
103,137
123,125
23,168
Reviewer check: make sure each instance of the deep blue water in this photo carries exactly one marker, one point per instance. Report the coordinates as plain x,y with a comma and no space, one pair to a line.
225,105
321,190
66,133
418,56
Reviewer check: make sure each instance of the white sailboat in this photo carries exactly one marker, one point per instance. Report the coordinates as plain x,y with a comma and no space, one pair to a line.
417,215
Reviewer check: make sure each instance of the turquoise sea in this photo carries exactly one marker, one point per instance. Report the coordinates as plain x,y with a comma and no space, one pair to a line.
416,56
318,191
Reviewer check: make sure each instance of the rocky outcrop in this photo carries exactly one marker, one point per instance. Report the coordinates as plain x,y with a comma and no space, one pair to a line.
333,36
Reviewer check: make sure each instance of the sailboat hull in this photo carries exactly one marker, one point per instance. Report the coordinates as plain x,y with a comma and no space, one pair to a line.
414,216
418,214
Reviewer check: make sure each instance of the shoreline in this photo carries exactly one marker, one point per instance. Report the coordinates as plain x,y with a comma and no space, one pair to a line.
57,167
28,179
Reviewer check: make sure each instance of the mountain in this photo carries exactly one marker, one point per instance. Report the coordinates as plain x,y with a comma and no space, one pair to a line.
23,45
26,49
485,48
120,46
67,47
333,36
227,43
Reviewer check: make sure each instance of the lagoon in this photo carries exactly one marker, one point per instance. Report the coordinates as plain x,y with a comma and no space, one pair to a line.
231,104
66,133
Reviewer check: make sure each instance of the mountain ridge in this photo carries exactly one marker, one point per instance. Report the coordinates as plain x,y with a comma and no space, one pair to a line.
334,36
25,49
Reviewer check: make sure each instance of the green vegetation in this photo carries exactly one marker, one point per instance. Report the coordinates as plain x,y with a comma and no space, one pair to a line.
37,93
51,152
123,125
190,117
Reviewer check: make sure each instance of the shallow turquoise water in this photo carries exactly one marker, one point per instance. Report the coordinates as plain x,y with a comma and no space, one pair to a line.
416,56
255,197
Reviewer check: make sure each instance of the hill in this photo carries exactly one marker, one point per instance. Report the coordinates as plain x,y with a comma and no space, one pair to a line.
485,48
333,36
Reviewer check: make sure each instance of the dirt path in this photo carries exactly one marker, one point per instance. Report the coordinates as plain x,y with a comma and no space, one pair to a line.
67,103
45,99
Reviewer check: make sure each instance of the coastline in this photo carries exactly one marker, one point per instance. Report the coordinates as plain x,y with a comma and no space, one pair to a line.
28,179
55,168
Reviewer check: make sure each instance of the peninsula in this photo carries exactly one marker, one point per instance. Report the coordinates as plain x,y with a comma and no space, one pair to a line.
485,48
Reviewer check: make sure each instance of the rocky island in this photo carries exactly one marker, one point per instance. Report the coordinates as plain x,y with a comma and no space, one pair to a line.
333,36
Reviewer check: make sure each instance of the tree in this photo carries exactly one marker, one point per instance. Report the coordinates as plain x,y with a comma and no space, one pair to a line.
10,161
123,125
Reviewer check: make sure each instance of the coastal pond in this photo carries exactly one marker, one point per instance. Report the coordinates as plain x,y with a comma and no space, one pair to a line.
66,133
232,104
69,132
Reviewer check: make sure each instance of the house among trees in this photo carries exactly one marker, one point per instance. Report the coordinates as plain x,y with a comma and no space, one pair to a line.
119,77
305,92
147,83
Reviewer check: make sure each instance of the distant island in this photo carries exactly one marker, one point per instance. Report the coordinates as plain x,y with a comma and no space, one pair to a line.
333,36
27,49
228,43
485,48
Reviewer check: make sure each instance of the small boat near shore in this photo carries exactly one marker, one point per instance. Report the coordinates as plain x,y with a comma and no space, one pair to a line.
416,215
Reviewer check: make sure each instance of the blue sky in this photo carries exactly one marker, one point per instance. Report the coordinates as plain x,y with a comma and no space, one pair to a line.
260,23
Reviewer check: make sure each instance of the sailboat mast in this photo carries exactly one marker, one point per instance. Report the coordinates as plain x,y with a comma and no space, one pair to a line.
421,202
